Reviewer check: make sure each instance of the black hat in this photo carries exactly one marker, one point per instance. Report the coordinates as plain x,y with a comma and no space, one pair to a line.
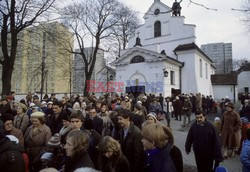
7,117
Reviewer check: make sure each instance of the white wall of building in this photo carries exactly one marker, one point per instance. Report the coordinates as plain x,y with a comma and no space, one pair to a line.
173,33
192,81
243,81
221,91
149,73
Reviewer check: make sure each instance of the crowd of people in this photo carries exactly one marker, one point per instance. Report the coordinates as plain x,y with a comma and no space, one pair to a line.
114,133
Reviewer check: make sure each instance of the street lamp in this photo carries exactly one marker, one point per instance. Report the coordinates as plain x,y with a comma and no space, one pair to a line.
165,72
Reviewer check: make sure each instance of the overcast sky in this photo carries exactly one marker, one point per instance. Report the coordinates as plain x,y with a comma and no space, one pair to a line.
223,25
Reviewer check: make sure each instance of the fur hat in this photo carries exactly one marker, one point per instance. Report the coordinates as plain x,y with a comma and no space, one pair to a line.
139,102
152,114
37,114
7,117
216,119
54,141
231,105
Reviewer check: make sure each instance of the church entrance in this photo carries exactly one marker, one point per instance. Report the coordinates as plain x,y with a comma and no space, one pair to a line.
135,90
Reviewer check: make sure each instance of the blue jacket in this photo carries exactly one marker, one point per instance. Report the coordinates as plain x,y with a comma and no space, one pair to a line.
160,161
245,156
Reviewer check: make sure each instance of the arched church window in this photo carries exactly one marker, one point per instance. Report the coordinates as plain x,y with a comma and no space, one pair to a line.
137,59
157,28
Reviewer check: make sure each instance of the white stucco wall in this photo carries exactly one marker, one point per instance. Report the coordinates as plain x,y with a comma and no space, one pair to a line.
243,81
173,31
151,74
221,91
192,82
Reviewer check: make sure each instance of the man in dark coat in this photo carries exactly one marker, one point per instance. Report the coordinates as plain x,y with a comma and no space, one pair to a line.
97,122
57,116
11,158
206,144
130,140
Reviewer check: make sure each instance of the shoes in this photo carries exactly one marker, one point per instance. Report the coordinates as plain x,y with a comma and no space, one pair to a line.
225,156
176,119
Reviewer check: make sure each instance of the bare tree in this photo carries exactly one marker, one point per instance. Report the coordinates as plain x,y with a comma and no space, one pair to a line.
246,11
238,63
91,21
126,26
15,16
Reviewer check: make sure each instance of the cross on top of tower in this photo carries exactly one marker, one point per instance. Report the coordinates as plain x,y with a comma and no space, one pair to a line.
138,33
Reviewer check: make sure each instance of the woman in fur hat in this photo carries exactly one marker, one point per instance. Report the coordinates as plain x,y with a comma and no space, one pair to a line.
230,128
36,138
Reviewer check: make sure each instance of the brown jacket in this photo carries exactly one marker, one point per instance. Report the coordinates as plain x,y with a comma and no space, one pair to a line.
18,134
21,122
230,125
35,141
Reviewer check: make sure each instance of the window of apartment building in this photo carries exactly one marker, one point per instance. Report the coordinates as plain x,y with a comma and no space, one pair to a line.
206,71
172,77
200,68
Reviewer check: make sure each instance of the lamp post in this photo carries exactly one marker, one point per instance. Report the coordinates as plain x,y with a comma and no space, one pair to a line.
165,75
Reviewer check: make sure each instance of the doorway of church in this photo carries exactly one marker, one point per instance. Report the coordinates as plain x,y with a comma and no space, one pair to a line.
135,90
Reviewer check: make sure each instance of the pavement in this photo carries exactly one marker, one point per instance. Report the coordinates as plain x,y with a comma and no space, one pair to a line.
180,134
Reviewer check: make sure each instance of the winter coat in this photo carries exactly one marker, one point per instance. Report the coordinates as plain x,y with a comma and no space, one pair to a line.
21,122
206,145
18,134
107,123
177,104
230,124
187,107
35,141
176,156
155,107
161,161
98,124
108,165
167,106
11,159
132,147
77,161
138,118
57,123
245,156
198,103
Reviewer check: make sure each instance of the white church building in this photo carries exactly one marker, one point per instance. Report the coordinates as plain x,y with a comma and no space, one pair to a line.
162,57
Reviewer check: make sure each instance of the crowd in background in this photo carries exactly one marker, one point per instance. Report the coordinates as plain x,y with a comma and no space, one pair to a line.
110,132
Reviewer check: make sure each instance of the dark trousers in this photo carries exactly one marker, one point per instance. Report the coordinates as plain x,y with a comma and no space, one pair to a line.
204,164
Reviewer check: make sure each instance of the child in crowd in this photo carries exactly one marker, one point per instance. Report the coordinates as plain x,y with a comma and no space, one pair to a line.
217,123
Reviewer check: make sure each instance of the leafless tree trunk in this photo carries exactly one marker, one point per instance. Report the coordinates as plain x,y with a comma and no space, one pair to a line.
91,22
15,17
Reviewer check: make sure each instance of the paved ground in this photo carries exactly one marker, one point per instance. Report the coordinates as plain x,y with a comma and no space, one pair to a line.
180,134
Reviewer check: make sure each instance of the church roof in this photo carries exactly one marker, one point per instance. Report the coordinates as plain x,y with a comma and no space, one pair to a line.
224,79
157,56
191,46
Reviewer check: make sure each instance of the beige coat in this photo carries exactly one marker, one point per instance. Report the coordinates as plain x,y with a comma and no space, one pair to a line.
35,141
230,125
21,122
